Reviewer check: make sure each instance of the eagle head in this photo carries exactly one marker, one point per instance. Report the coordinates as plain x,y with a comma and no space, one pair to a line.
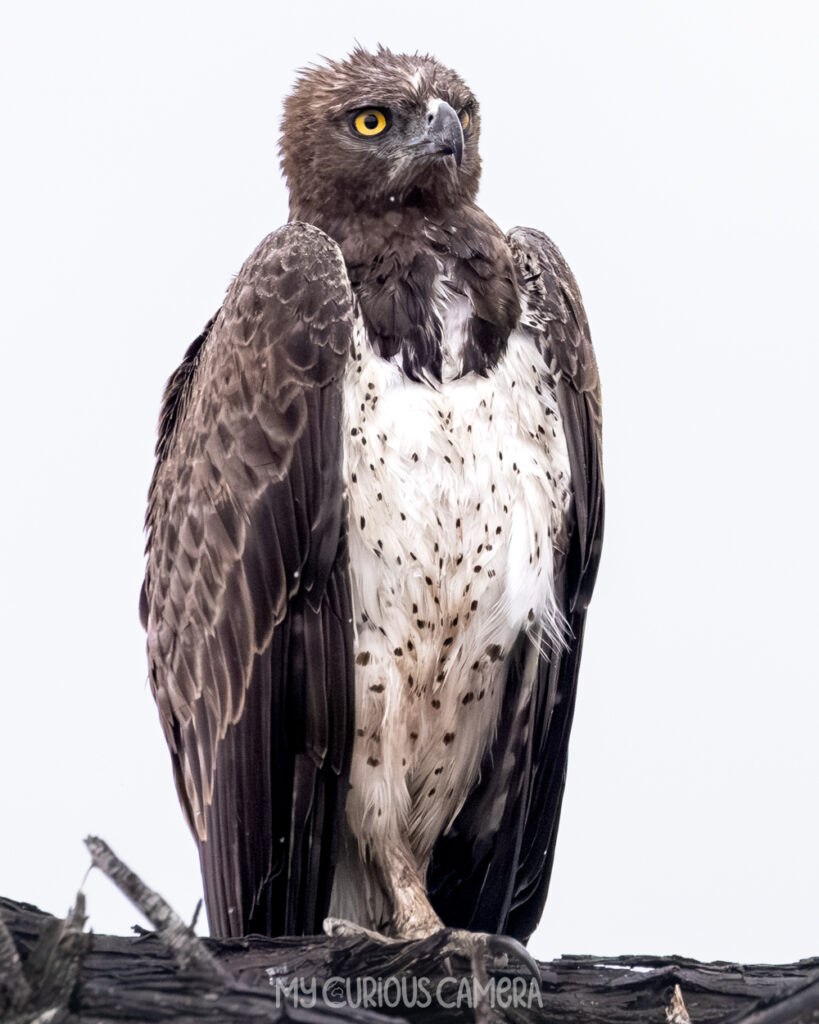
376,130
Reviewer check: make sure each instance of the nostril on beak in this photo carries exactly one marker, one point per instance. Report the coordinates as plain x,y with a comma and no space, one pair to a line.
444,133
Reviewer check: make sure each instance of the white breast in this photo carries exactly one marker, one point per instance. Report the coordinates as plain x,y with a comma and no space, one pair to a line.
456,494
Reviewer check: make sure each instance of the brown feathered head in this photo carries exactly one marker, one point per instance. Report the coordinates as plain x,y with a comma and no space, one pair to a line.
375,130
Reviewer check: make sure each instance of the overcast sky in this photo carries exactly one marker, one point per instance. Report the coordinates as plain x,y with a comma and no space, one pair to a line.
670,149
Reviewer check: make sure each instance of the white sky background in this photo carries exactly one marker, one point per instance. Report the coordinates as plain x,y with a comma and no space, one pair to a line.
671,151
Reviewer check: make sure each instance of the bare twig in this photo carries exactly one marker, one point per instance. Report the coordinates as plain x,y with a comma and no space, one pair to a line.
54,964
186,947
196,911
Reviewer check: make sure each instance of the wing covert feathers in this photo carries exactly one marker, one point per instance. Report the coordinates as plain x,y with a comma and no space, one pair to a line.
553,311
246,594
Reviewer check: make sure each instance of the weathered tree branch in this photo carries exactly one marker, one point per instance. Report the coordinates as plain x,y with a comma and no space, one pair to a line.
179,937
51,971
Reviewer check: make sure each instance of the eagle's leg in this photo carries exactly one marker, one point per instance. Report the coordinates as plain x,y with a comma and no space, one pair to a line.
407,913
380,878
413,916
379,884
379,889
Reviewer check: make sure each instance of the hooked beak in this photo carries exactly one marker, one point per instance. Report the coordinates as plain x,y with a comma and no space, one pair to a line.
444,135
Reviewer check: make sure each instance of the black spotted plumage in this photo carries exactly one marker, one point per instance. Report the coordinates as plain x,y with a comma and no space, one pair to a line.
250,588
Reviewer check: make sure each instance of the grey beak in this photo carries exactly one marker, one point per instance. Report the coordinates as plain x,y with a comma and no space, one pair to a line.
444,133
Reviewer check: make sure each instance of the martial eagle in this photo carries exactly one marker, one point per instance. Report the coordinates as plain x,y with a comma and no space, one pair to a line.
373,531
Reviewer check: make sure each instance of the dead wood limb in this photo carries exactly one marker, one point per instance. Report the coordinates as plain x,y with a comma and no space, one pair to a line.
179,937
137,979
51,972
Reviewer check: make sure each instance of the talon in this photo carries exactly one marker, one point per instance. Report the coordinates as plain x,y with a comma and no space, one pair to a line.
480,946
505,945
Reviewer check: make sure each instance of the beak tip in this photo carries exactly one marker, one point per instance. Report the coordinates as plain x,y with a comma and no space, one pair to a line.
446,132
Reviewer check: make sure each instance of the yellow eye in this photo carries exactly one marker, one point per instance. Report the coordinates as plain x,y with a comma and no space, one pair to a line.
464,116
370,122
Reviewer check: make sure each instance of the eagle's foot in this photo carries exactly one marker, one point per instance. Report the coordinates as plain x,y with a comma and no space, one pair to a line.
340,926
490,951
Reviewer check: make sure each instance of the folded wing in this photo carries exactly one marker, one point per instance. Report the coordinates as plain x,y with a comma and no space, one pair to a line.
246,597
